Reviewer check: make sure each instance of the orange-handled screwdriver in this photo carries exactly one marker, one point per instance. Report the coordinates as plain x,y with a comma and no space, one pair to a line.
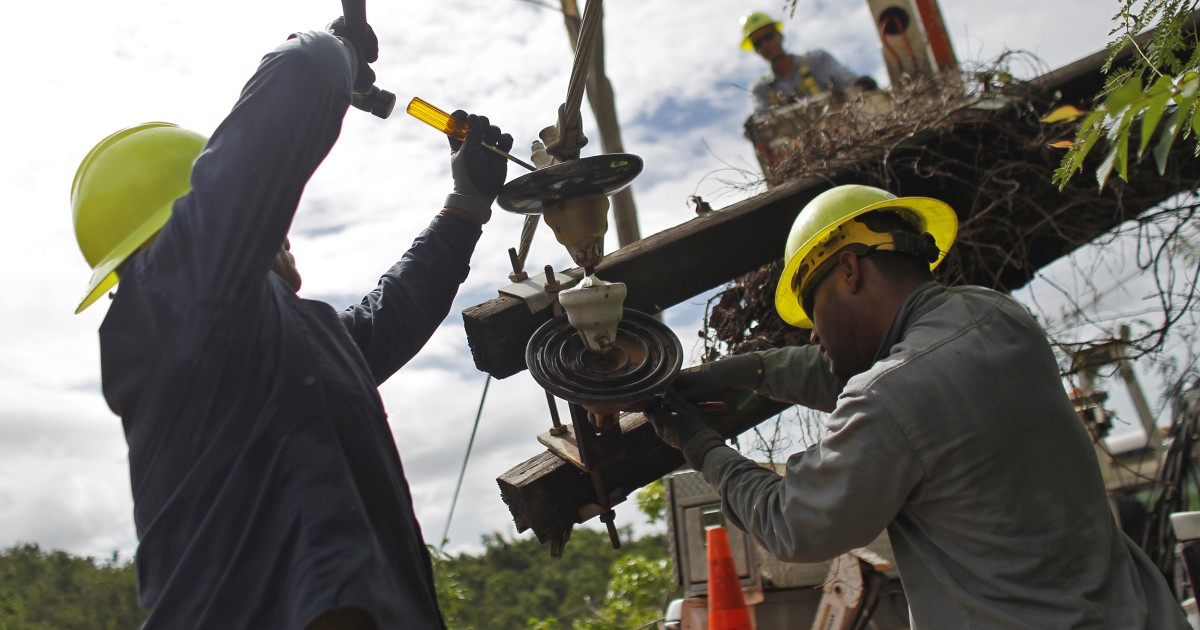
451,126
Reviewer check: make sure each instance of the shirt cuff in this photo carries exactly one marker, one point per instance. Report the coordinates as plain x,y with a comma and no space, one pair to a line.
470,206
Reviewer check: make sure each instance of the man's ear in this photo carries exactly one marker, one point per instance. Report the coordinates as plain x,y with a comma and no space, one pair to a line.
849,271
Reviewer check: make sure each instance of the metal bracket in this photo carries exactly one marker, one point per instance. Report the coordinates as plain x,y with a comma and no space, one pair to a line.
605,448
592,510
580,444
532,290
565,446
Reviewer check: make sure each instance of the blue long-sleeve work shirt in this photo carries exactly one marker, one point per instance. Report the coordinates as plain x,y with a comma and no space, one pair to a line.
267,485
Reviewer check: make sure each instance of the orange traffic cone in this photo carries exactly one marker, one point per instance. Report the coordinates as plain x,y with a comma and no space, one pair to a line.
726,603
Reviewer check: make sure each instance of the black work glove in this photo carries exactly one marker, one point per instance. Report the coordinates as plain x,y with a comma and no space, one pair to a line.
478,173
700,382
364,48
680,425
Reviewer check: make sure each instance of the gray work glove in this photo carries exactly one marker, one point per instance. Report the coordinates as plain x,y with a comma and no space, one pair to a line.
680,425
364,49
478,173
701,382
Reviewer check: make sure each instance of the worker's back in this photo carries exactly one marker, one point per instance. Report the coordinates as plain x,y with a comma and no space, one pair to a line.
1008,524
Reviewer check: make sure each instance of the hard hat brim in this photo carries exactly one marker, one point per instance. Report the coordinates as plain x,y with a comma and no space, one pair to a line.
104,275
937,218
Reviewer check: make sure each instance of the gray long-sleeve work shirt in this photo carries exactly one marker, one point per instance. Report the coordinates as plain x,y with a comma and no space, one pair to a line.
814,72
266,482
960,441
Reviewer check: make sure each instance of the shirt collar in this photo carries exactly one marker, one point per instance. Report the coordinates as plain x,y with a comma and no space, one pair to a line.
917,303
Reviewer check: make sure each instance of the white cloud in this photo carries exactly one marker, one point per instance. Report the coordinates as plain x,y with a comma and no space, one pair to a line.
680,81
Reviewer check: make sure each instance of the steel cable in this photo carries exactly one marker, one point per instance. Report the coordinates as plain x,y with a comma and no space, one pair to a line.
583,54
575,87
463,471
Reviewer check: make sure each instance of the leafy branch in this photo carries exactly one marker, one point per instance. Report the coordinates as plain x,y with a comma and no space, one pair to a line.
1154,95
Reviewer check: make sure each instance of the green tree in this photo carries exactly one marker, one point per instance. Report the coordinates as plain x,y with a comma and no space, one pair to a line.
57,591
638,590
652,501
1154,94
516,584
453,595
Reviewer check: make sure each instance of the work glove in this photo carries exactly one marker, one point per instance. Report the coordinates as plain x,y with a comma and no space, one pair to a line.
478,173
702,382
364,49
680,425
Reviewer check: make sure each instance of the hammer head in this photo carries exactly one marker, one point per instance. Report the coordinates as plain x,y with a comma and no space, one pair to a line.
376,101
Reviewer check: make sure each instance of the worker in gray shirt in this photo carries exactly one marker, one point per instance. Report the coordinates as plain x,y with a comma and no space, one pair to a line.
793,78
949,427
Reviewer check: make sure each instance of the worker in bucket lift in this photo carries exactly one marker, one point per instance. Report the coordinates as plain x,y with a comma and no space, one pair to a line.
793,78
268,490
948,427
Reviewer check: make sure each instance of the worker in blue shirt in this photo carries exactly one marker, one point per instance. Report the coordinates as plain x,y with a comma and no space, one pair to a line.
268,489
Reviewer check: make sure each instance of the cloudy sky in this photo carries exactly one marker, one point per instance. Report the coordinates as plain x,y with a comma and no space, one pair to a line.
77,71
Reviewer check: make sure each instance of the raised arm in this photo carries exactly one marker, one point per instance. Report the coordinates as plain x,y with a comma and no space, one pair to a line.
793,374
395,320
247,183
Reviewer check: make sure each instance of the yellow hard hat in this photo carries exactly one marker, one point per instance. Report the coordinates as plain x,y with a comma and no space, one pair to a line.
824,227
753,22
123,194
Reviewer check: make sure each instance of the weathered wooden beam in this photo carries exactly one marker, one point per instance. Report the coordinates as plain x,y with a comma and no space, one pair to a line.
659,271
546,494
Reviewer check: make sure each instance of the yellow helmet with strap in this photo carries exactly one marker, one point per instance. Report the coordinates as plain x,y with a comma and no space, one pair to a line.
753,22
123,193
826,225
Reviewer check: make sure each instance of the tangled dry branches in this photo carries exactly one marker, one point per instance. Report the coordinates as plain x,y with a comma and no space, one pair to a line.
974,141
